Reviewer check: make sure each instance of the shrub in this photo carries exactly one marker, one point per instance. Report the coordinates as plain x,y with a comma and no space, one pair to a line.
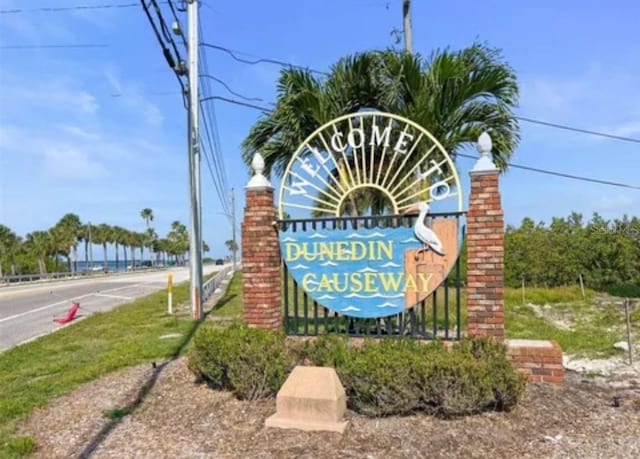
380,377
474,376
250,362
326,351
403,376
625,290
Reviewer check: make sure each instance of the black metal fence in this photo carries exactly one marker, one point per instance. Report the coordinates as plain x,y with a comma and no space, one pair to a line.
437,316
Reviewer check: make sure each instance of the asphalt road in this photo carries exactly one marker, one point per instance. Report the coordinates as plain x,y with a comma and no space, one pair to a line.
28,310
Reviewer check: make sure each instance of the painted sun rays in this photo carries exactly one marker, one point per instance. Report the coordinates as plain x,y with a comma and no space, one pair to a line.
367,156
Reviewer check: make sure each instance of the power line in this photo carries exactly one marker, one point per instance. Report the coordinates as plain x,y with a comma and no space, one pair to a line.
226,86
562,174
574,129
515,166
59,9
177,68
53,46
237,102
260,60
212,133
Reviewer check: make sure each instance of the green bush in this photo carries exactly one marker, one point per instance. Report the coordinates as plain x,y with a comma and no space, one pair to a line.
381,378
403,376
250,362
326,351
625,290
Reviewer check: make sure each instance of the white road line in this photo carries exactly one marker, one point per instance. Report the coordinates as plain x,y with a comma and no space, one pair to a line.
116,297
61,302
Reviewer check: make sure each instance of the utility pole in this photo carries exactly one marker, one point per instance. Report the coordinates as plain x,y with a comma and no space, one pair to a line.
195,237
233,222
406,14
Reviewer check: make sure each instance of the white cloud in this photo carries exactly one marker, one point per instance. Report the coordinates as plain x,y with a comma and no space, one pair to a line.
57,96
79,132
616,204
629,129
69,163
133,100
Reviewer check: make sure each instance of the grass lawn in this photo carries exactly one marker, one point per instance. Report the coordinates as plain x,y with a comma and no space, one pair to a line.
35,372
591,332
230,305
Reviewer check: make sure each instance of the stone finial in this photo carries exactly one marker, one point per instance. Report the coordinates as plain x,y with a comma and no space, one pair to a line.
484,163
258,180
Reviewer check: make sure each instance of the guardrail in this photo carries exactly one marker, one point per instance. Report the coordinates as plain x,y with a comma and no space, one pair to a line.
209,287
26,278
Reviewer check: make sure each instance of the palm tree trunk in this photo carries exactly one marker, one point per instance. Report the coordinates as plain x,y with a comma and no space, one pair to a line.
86,254
106,262
117,259
124,251
133,257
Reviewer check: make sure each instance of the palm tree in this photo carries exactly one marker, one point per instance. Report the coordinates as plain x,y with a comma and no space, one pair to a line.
86,237
455,95
141,241
39,243
150,237
9,246
132,240
147,215
103,234
178,239
117,241
65,235
232,246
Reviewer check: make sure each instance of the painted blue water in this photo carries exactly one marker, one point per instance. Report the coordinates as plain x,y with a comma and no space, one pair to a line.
351,286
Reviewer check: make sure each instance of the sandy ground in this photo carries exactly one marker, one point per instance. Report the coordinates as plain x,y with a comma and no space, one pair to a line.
178,418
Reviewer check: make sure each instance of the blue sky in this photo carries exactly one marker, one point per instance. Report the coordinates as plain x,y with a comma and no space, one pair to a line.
85,130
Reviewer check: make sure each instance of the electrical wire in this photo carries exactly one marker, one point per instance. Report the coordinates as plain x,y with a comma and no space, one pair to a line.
166,52
260,59
181,31
53,46
212,134
57,9
562,174
166,32
515,166
574,129
231,91
237,102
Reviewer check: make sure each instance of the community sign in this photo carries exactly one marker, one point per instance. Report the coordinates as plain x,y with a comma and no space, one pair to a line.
369,204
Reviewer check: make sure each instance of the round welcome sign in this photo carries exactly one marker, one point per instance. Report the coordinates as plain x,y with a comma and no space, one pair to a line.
362,165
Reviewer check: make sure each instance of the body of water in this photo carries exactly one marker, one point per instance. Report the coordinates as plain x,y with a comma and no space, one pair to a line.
111,265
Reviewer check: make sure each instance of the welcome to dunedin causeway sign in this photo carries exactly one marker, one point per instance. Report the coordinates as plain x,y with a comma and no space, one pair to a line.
377,271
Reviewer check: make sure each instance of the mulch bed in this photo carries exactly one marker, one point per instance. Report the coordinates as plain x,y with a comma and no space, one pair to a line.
181,419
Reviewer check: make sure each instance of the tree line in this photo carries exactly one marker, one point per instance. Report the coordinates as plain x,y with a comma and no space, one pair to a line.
604,252
40,251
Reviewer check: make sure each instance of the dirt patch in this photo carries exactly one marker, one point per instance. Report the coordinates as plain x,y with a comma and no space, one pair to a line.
180,419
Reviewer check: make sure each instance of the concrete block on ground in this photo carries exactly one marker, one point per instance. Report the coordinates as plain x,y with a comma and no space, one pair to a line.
311,399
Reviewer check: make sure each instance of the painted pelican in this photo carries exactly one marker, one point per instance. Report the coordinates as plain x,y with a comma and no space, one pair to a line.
423,232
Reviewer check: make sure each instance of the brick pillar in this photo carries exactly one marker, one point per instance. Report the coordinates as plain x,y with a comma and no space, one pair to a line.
485,249
262,301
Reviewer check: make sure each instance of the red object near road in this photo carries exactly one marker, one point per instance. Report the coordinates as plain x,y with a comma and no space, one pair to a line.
70,314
